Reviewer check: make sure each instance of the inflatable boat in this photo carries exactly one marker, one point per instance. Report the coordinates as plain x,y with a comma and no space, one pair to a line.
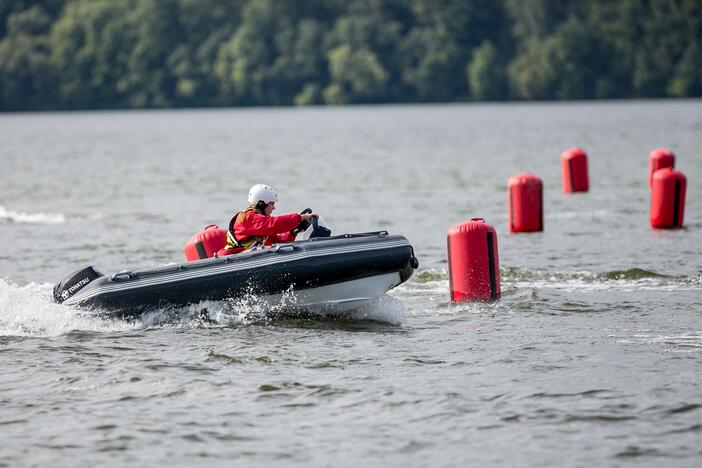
323,274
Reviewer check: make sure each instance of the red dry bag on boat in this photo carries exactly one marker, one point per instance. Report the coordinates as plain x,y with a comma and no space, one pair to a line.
205,243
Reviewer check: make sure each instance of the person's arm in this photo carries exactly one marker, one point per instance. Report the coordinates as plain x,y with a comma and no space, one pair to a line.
258,225
306,219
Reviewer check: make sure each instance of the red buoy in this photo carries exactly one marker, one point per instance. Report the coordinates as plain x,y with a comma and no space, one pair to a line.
668,198
205,243
574,164
474,270
658,159
525,203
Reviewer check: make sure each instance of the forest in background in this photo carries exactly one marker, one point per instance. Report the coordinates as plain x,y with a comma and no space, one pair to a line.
114,54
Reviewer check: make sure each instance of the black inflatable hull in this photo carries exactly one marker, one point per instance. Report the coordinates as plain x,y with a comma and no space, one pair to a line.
346,271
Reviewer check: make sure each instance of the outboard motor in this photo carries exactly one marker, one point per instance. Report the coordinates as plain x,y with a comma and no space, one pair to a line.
75,282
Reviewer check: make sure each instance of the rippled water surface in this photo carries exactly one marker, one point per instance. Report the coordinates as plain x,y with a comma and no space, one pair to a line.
593,356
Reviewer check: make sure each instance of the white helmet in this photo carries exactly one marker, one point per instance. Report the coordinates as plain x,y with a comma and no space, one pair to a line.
262,192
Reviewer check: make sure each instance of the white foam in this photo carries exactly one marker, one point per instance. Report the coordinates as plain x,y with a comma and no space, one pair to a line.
10,216
30,311
251,308
241,311
384,309
620,285
690,342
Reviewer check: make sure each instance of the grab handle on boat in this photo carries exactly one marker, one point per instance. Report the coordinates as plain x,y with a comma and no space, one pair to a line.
124,274
280,247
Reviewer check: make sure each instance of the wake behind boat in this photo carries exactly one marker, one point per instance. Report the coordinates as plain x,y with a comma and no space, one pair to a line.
323,274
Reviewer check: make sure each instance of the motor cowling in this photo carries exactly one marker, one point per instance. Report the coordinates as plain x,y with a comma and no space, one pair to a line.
75,282
205,243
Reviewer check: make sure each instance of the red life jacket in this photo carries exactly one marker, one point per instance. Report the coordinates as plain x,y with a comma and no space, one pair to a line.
247,243
268,230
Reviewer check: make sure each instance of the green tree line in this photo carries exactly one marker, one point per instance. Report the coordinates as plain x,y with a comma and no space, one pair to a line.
92,54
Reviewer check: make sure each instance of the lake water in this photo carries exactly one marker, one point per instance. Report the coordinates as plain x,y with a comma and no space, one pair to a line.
593,356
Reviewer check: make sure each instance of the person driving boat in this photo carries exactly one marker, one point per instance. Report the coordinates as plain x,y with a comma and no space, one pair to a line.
255,226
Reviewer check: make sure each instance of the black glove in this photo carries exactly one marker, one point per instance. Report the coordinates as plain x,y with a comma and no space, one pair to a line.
303,224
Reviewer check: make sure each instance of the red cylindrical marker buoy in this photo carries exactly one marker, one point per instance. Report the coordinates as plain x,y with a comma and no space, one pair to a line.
574,165
205,243
658,159
668,198
525,203
474,270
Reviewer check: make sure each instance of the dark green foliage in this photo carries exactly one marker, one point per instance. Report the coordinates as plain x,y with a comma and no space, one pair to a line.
81,54
25,70
485,73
